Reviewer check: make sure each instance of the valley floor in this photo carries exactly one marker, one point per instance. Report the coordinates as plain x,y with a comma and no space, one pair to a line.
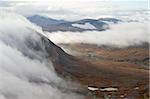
126,69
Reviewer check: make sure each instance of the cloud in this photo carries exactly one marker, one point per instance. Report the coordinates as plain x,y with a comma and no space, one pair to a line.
18,74
62,8
22,77
119,35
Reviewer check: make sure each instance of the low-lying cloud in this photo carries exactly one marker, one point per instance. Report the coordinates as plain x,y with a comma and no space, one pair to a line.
119,35
25,73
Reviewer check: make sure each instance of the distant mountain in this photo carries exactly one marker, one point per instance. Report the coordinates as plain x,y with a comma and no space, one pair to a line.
44,21
52,25
110,20
78,26
99,25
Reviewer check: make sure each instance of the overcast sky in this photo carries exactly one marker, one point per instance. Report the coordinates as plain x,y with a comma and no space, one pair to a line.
75,9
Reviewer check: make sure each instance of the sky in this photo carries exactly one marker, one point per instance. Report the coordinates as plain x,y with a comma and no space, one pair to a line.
75,9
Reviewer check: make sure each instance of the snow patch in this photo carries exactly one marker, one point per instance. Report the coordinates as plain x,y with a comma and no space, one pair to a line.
93,88
109,89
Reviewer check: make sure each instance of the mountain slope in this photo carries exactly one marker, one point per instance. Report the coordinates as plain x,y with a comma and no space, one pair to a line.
101,76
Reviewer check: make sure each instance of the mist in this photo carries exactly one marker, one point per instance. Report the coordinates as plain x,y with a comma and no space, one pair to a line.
26,73
119,35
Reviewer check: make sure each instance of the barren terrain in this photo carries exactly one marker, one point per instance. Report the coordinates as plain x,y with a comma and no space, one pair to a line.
106,67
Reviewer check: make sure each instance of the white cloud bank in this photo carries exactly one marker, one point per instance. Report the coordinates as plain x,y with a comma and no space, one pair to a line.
77,9
20,76
119,35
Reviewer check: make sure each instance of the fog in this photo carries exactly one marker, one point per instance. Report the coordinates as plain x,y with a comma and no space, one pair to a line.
25,73
119,35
